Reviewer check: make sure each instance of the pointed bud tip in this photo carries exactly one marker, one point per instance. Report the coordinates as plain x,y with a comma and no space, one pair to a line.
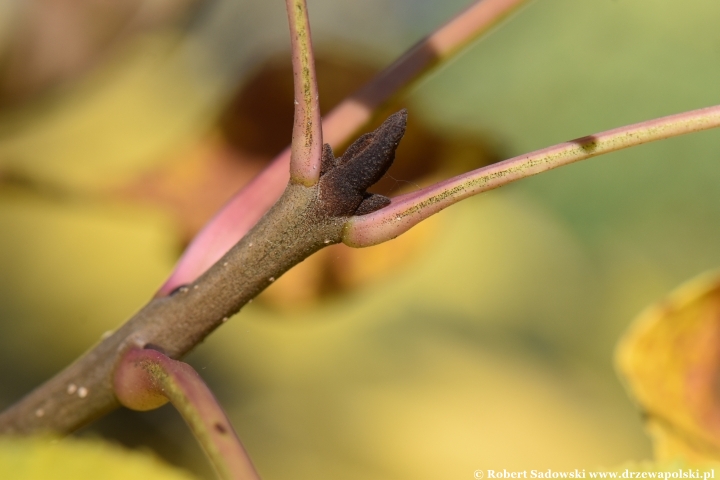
397,119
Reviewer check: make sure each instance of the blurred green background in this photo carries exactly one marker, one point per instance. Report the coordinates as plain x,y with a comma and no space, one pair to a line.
489,347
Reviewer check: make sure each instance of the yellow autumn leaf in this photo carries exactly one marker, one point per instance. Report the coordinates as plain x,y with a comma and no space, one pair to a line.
47,459
671,361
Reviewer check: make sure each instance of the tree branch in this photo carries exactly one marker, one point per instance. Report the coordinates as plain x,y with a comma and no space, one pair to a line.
246,208
304,220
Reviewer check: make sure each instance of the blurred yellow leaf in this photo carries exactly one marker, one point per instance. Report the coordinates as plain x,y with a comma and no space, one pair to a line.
670,358
42,459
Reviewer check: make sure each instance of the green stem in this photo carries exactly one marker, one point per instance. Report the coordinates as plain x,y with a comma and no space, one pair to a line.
306,147
408,210
146,379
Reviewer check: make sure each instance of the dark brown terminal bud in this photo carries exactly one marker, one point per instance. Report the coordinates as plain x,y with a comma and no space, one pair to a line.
344,181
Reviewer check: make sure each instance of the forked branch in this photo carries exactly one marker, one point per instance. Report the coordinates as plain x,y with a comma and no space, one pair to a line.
302,222
245,209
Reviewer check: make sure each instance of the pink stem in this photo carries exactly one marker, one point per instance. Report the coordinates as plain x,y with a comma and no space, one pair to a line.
307,140
146,379
407,210
243,211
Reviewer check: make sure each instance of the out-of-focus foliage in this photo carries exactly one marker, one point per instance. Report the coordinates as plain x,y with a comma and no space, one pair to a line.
46,43
563,69
43,459
670,361
488,343
435,370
